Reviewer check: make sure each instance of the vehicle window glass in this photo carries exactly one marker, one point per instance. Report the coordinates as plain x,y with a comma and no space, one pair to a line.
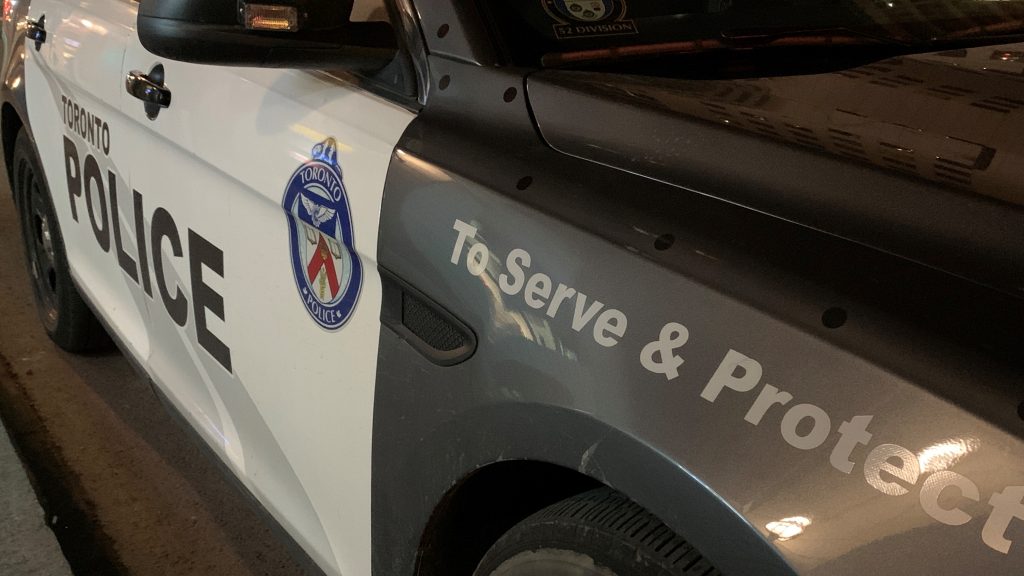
397,80
566,32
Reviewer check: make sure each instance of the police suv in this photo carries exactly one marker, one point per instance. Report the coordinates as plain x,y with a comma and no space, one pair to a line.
559,287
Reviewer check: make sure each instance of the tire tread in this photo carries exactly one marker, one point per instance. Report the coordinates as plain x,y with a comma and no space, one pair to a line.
616,514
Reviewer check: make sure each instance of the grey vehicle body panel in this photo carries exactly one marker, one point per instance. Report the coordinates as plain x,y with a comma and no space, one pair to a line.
715,136
929,348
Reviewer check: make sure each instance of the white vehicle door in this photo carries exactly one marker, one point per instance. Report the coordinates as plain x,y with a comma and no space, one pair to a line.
74,88
262,191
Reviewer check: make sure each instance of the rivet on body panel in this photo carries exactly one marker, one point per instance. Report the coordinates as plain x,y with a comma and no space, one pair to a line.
833,317
664,242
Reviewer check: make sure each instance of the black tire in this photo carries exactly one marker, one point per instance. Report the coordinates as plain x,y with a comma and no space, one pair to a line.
65,316
597,533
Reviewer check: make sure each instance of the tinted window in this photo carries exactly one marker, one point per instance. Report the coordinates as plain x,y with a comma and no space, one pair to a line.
556,32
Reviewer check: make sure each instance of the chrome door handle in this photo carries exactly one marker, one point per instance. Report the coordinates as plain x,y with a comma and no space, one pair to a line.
35,31
150,89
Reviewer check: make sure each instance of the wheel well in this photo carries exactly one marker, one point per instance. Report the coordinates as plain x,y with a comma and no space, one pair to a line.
479,509
10,123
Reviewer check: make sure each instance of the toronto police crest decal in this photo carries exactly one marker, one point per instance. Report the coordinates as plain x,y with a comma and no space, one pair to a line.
324,260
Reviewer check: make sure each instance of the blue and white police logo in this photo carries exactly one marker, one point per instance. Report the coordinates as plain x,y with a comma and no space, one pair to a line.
327,269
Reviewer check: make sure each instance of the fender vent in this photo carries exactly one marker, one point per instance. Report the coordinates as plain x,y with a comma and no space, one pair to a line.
424,324
430,326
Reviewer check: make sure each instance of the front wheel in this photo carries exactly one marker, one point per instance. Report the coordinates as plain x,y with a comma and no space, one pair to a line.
597,533
64,314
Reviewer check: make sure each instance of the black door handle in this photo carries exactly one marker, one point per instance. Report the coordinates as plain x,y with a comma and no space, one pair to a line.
150,89
35,30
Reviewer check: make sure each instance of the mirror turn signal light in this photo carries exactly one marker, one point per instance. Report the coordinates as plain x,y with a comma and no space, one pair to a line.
271,18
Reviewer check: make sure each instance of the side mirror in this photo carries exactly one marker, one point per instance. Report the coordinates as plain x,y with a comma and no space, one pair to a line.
265,34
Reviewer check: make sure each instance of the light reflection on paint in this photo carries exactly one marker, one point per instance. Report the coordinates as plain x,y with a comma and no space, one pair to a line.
533,327
425,168
943,455
317,136
788,528
93,27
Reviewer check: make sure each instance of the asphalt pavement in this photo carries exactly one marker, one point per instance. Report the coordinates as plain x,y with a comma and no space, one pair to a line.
123,487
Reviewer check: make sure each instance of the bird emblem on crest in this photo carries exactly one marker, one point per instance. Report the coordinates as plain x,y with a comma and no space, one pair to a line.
318,213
